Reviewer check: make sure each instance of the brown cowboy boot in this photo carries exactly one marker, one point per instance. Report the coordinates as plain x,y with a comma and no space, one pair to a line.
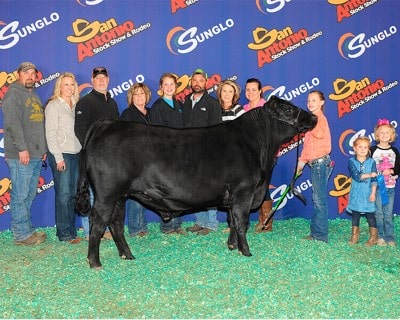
265,209
355,235
373,237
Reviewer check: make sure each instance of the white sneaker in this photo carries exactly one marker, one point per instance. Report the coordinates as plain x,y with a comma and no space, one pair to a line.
391,243
381,242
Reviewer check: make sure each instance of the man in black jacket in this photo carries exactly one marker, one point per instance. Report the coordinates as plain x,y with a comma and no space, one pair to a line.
96,105
201,110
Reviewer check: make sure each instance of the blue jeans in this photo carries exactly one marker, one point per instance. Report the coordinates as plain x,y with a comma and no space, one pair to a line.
207,219
136,217
24,180
173,224
320,173
65,184
384,216
85,220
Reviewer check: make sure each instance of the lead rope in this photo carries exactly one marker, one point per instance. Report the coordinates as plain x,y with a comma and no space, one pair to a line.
290,187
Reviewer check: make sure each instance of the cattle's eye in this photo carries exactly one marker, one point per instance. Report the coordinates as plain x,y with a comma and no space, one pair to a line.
287,109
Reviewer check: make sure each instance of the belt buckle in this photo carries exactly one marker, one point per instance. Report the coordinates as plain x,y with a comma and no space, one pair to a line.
319,160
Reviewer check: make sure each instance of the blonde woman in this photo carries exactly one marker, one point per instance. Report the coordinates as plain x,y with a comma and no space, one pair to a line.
63,153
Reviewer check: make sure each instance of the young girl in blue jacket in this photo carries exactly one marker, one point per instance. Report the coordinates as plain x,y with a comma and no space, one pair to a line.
363,172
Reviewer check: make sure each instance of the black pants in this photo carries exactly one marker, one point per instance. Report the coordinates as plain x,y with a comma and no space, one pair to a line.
355,218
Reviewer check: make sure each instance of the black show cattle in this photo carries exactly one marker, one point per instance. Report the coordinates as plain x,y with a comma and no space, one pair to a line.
177,170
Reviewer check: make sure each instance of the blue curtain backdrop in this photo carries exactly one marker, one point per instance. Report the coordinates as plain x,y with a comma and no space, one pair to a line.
347,49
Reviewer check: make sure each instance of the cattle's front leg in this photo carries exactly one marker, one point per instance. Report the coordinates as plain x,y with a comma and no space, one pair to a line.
232,239
243,246
116,226
238,229
97,227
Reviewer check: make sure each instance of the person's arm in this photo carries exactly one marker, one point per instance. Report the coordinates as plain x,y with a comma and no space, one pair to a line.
13,118
372,196
215,114
396,168
82,122
354,173
51,126
155,116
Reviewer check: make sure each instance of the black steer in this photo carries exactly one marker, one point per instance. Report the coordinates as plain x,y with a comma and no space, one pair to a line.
172,171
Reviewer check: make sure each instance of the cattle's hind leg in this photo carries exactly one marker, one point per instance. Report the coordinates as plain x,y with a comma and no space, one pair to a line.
97,226
116,225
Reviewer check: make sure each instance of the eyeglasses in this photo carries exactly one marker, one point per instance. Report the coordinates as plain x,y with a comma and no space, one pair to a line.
44,164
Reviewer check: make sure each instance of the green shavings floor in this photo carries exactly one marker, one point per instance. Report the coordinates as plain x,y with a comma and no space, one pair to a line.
193,276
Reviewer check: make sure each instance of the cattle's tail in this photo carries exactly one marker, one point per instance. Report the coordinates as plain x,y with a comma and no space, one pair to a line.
82,200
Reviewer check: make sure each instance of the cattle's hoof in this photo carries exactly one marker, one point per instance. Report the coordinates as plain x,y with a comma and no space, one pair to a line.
231,247
128,257
246,254
96,266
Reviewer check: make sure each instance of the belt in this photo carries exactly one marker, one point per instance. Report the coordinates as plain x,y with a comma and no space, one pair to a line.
319,160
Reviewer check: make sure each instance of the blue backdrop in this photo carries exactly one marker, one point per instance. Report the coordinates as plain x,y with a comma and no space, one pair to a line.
347,49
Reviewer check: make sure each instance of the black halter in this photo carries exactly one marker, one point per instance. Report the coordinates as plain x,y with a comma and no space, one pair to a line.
293,122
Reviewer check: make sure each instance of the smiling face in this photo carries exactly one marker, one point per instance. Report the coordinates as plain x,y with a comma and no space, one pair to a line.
227,94
361,148
315,103
67,88
168,86
384,134
253,93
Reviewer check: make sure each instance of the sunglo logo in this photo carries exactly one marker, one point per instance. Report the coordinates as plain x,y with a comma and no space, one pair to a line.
347,137
125,85
5,190
7,78
10,34
274,44
184,41
347,8
270,6
95,37
290,94
351,46
181,4
89,2
341,191
353,94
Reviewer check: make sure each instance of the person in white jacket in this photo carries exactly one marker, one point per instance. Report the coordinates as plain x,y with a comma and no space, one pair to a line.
63,154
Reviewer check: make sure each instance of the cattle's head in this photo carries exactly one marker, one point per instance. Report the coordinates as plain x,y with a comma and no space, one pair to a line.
287,113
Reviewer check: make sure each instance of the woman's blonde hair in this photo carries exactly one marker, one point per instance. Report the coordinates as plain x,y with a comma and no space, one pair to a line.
236,90
57,87
134,88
